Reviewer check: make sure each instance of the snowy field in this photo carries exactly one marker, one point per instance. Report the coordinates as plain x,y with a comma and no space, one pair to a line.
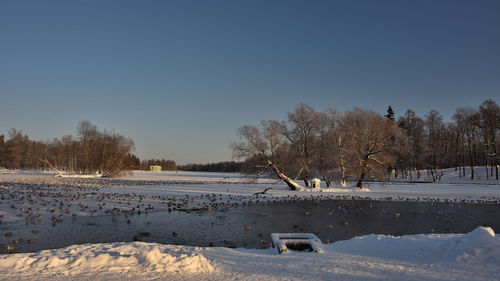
482,175
35,196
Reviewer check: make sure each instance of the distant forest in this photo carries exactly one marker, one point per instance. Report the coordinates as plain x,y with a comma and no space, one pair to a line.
227,166
333,145
88,152
166,165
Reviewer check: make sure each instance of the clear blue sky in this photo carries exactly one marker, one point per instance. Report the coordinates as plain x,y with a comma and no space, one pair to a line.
179,77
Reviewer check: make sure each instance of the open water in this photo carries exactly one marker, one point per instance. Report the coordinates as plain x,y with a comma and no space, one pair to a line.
250,226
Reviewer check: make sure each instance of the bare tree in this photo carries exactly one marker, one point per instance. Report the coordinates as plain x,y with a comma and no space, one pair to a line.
87,134
16,147
340,135
264,144
490,121
372,146
459,119
3,152
434,125
413,126
301,130
326,161
115,151
468,118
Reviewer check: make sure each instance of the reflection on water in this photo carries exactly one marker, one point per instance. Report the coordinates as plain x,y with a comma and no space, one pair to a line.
250,226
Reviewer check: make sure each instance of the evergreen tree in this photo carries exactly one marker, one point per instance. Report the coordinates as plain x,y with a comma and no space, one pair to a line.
390,114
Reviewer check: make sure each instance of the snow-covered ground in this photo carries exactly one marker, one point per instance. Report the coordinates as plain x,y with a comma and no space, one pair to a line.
188,176
482,175
32,195
173,177
471,256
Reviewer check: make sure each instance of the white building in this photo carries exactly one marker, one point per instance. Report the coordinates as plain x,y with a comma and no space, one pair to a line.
315,183
155,168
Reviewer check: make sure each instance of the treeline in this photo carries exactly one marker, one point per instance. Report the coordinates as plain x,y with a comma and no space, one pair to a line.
88,152
166,165
470,139
359,144
226,166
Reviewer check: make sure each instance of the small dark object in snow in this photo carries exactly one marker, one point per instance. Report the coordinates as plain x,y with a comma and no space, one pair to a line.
262,192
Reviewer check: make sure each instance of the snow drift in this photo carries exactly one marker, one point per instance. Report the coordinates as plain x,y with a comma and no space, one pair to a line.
471,256
136,256
480,245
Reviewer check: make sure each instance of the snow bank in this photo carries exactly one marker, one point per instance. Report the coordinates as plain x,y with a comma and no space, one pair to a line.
121,257
480,245
477,246
471,256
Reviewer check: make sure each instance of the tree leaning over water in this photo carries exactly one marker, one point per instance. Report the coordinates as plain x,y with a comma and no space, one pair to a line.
266,144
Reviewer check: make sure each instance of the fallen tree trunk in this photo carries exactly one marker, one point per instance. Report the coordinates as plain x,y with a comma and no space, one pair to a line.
292,184
59,173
